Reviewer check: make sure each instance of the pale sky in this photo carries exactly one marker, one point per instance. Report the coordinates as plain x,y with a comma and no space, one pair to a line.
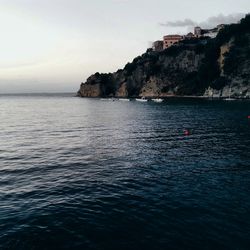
54,45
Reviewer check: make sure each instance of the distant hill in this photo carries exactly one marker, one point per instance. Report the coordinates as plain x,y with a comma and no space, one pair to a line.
197,67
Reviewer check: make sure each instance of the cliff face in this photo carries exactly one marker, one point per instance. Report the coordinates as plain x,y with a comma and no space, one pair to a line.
234,63
152,74
212,67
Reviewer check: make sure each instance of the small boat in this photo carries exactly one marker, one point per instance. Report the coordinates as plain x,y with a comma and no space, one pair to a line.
112,99
109,99
157,100
229,99
124,99
143,99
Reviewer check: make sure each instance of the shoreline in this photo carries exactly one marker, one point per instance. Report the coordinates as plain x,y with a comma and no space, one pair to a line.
168,97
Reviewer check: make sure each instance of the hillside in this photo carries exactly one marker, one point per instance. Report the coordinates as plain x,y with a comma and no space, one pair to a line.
197,67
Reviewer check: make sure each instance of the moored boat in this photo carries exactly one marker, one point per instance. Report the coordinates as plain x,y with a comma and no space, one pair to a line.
229,99
158,100
109,99
143,99
124,99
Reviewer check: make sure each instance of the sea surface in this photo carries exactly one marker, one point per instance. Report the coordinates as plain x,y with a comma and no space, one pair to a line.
91,174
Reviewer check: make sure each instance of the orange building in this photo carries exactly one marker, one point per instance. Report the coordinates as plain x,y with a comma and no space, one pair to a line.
170,40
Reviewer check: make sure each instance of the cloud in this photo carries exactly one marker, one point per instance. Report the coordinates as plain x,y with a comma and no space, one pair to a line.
209,23
179,23
222,19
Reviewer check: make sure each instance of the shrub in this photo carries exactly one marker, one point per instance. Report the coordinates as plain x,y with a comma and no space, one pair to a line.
129,68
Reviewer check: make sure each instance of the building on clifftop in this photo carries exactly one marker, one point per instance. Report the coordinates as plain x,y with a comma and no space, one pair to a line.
197,31
157,46
170,40
190,35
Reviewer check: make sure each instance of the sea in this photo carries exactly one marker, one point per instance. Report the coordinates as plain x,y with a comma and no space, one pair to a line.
79,173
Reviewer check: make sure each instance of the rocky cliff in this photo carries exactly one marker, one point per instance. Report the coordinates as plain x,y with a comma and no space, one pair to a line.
209,67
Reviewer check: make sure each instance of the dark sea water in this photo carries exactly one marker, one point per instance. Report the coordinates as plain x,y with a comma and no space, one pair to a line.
91,174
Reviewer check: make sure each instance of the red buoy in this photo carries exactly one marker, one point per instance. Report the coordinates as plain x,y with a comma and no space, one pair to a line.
248,117
186,132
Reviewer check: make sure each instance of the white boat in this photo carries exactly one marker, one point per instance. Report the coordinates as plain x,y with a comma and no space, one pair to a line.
230,99
108,99
143,99
124,99
157,100
112,99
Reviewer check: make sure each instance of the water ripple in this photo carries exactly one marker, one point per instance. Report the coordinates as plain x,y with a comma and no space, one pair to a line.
85,174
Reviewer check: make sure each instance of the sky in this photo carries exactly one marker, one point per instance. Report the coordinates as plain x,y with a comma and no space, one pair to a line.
54,45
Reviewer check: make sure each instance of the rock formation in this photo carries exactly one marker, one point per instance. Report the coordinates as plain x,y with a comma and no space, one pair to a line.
198,67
